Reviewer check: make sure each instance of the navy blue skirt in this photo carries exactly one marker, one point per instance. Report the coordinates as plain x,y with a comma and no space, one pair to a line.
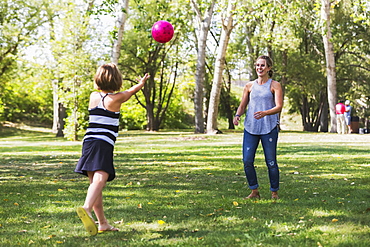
96,155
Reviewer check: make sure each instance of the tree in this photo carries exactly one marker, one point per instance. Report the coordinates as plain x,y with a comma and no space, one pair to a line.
120,26
330,61
227,27
141,54
204,21
72,66
17,28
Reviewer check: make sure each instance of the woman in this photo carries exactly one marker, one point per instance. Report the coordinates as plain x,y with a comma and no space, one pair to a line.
264,98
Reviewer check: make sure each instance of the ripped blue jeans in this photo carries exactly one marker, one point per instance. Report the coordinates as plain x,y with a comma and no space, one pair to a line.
269,143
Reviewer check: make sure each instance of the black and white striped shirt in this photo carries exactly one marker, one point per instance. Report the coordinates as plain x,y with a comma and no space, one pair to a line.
103,124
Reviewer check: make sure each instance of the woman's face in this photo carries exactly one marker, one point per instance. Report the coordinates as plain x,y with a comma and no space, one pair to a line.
261,67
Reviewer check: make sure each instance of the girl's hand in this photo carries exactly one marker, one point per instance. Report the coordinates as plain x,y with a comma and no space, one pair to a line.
259,114
144,78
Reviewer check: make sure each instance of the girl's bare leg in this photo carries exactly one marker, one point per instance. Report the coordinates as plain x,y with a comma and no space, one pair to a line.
98,180
94,198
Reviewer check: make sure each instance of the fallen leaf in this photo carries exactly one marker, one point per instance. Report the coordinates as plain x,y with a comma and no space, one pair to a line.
161,222
235,203
334,220
16,204
139,205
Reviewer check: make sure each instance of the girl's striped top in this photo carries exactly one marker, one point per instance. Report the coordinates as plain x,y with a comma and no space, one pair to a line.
103,124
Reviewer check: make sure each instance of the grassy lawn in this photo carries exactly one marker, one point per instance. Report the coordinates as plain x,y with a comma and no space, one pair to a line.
181,189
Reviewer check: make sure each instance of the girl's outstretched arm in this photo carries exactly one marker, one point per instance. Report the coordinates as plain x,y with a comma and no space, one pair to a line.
126,95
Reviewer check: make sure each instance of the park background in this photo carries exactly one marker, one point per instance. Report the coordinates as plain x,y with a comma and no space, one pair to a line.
50,51
177,183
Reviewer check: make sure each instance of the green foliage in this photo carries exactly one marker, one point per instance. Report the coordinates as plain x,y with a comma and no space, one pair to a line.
19,21
352,41
132,116
177,116
289,31
141,54
29,98
74,66
181,189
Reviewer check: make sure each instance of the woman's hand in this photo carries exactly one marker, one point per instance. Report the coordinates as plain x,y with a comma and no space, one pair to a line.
236,120
259,114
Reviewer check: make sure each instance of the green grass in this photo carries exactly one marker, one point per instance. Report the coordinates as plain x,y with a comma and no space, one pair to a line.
181,189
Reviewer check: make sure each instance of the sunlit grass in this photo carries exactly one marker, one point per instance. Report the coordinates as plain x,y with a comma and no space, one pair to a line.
182,189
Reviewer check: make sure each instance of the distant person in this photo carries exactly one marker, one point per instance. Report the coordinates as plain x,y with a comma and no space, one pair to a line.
340,109
96,161
347,116
264,98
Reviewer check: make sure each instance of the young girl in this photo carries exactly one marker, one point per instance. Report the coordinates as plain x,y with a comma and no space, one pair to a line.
96,161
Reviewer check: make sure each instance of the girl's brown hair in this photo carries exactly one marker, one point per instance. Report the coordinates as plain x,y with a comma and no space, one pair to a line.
108,77
268,62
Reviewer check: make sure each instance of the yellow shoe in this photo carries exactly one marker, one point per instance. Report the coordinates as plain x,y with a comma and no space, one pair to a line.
88,222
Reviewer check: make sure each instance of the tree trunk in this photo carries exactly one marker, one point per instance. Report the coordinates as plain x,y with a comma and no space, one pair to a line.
226,99
324,116
55,106
330,63
120,25
149,94
214,100
200,69
61,116
227,104
151,126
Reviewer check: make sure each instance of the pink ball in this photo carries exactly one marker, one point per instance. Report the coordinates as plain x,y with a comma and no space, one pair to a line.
162,31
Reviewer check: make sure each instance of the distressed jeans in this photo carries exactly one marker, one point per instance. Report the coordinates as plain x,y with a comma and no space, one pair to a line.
269,143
